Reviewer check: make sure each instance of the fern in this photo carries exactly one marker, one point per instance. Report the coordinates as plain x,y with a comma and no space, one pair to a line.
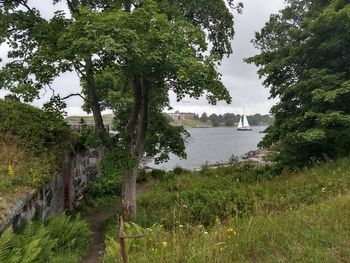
62,240
5,244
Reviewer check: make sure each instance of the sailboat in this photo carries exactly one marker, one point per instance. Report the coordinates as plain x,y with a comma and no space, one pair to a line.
243,124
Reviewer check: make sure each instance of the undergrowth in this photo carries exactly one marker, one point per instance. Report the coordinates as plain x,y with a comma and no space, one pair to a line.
62,240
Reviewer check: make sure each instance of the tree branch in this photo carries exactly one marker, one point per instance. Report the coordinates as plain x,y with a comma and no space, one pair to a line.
130,127
74,94
23,3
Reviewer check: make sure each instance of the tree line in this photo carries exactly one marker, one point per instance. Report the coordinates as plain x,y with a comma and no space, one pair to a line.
230,119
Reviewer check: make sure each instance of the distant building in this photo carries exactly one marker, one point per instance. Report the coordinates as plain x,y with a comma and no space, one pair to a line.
182,115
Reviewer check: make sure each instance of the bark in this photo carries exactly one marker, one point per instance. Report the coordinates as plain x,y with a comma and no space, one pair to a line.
92,97
136,148
130,128
129,195
143,123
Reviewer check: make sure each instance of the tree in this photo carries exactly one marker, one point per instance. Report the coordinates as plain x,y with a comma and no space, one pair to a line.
164,55
305,59
39,55
128,55
215,123
204,117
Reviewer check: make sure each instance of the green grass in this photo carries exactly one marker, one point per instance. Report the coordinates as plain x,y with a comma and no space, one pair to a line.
244,214
189,123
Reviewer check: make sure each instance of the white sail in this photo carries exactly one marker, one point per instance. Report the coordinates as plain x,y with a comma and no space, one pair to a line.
240,124
245,121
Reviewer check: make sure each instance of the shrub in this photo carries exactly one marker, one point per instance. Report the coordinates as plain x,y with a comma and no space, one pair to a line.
40,131
178,170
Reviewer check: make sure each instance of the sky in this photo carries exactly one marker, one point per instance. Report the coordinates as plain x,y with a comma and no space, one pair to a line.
241,79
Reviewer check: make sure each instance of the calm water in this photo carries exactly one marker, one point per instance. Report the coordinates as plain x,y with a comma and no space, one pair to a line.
215,145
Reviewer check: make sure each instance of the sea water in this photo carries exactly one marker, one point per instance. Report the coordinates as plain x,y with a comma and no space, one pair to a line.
214,145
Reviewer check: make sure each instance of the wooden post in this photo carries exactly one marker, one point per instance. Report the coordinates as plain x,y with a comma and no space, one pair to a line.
122,237
122,240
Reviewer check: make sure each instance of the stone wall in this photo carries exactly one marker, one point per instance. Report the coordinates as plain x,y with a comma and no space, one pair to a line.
64,192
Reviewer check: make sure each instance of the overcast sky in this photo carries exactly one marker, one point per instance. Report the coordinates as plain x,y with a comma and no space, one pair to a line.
239,78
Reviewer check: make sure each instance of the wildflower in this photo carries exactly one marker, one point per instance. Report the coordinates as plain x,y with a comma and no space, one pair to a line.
165,244
230,231
181,226
184,206
10,171
205,233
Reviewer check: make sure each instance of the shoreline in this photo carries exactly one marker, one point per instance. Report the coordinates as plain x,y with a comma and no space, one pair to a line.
256,156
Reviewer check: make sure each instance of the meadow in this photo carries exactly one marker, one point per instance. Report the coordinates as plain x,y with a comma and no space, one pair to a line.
242,213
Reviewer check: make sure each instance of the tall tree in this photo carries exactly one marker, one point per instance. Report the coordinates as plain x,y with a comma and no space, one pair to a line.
38,55
154,55
138,50
305,60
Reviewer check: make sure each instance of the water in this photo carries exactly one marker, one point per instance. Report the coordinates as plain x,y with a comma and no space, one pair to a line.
214,145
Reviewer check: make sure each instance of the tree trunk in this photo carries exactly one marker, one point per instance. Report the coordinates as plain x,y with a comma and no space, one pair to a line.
129,195
143,122
92,97
136,147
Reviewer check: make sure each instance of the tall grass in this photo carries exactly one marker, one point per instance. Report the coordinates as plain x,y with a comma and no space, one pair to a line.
317,233
243,214
19,167
241,190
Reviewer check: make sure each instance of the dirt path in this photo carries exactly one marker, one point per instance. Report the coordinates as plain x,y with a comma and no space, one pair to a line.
97,220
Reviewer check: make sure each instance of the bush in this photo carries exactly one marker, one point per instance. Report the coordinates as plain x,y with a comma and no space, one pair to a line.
40,131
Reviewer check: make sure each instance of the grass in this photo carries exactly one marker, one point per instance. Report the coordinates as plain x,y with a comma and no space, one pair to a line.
21,171
240,190
243,214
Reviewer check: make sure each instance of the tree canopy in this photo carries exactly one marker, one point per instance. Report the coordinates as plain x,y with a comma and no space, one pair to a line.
304,58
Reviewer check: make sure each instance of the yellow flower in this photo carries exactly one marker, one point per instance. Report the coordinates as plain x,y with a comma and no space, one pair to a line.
165,244
10,171
230,231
